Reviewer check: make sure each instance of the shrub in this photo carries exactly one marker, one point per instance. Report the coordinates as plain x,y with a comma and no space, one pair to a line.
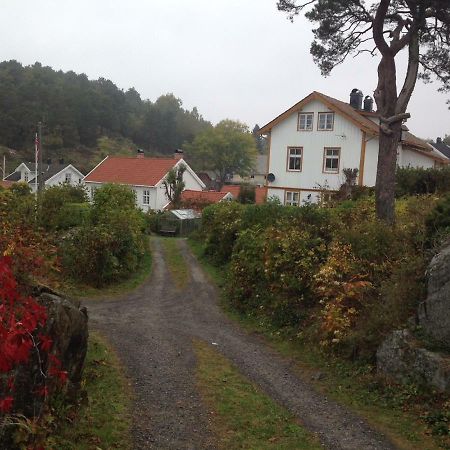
247,194
220,226
110,244
341,285
271,272
54,210
438,220
416,181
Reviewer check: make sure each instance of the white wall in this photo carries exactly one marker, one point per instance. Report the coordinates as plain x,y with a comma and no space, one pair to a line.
345,135
415,159
60,178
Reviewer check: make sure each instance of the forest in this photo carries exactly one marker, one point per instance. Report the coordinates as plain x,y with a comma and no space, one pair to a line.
77,112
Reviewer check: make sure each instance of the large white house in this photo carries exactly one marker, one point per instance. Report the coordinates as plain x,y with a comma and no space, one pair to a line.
53,174
313,141
144,175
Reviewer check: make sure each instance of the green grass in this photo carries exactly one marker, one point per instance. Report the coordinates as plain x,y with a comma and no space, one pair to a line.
103,423
396,411
81,291
176,264
216,274
242,416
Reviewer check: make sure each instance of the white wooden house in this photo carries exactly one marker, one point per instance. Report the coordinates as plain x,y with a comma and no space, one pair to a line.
52,173
144,175
313,141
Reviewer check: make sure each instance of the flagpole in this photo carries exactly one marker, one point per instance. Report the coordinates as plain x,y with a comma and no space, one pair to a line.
36,151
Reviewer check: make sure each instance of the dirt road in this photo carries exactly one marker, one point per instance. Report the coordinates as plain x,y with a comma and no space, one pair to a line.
152,331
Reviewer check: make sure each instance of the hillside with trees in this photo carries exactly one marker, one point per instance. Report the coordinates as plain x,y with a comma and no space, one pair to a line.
86,119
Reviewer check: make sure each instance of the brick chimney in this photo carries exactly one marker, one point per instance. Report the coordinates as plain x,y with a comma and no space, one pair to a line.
140,153
178,154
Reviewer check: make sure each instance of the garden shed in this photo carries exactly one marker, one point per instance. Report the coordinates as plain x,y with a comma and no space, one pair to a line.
180,222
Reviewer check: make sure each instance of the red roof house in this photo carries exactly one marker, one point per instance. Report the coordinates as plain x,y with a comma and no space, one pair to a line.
144,175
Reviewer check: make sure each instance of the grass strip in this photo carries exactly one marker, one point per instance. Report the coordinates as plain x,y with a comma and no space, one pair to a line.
176,264
244,417
104,422
355,386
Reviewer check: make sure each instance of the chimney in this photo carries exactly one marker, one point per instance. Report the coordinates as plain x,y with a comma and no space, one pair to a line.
61,161
178,154
140,153
368,103
438,140
356,99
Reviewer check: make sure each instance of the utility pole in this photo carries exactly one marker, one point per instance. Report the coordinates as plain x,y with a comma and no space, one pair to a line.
40,171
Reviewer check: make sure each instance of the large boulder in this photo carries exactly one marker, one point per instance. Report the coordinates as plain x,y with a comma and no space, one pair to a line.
402,358
434,312
67,326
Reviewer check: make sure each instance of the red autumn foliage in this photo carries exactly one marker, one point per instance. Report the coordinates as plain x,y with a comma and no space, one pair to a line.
20,319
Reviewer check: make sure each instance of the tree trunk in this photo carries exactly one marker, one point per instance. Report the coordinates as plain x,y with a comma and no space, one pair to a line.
385,185
390,135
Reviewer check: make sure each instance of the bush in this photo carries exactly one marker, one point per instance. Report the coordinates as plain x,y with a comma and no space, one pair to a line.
418,181
220,226
54,210
438,221
109,245
271,272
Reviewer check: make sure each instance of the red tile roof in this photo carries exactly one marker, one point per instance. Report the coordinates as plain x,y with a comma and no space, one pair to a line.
260,192
203,196
133,171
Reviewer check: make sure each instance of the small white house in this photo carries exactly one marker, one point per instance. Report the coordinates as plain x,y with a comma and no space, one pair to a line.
313,141
144,175
52,173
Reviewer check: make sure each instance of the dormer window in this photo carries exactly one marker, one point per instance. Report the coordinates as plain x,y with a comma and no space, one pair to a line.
26,177
325,121
305,121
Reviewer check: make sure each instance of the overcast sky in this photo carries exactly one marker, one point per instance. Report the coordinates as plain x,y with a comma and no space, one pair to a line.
237,59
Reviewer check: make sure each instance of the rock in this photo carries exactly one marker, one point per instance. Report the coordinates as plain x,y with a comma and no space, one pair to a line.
67,326
433,313
401,358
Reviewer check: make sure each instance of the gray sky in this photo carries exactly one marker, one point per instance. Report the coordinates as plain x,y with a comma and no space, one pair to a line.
238,59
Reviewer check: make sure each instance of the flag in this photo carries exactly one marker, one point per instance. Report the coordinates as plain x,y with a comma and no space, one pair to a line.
36,147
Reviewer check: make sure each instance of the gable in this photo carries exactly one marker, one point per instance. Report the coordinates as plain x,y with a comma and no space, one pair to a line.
341,108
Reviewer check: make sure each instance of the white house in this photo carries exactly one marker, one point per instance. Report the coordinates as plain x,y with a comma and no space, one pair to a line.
144,175
313,141
257,175
52,173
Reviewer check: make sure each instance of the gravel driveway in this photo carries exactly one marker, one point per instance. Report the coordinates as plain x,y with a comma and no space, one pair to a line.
152,330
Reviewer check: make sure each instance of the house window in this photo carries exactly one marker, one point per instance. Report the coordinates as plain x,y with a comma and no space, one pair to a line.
25,177
295,155
292,198
331,158
68,177
146,197
305,121
325,122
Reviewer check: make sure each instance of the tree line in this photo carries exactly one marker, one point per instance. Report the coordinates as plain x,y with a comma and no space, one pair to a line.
78,111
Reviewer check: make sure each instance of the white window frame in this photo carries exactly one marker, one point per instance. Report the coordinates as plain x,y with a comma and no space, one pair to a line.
329,154
26,177
68,177
292,198
305,115
146,197
328,123
292,155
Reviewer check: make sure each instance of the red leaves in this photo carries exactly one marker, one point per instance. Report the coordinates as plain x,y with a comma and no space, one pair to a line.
20,319
6,404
